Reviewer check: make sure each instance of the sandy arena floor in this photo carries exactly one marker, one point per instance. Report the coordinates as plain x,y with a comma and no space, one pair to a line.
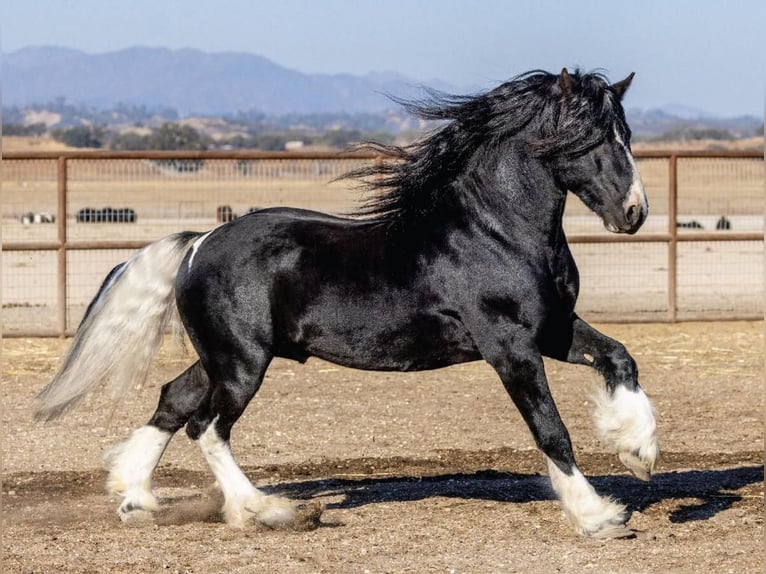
423,472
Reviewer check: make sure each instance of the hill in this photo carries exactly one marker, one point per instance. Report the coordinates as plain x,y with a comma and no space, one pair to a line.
61,87
191,82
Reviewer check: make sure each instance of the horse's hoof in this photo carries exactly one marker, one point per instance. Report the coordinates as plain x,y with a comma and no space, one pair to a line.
132,511
272,511
135,516
640,468
613,531
308,516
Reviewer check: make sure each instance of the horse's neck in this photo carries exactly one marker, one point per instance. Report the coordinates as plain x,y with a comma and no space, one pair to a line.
520,193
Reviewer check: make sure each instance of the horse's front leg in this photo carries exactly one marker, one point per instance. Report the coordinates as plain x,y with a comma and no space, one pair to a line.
520,366
623,415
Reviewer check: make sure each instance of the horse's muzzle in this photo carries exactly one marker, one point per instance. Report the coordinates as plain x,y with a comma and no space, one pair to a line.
635,215
630,221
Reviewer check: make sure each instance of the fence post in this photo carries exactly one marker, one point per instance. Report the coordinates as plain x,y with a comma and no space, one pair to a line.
673,237
61,289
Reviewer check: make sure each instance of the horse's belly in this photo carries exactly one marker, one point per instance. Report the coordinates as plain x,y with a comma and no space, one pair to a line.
420,343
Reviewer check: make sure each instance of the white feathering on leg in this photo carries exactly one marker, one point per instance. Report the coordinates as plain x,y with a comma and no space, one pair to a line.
625,418
589,513
242,500
131,464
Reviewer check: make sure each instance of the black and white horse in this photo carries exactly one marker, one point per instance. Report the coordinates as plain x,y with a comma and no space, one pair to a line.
460,255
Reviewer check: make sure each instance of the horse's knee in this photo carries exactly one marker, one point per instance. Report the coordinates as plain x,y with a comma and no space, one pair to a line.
619,368
223,405
197,425
180,398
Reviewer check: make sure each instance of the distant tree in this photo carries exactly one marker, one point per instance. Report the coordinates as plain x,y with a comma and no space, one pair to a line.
168,137
237,142
341,139
693,134
172,136
129,141
13,129
80,136
271,142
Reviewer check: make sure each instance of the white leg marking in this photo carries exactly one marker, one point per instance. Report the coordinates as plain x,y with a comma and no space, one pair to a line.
589,513
130,466
241,499
625,418
196,246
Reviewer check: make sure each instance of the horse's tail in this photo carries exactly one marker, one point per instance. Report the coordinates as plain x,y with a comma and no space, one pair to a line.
122,328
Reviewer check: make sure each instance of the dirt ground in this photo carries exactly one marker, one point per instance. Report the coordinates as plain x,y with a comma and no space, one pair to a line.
422,472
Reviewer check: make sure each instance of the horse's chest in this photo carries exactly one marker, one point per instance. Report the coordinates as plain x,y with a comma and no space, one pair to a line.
566,278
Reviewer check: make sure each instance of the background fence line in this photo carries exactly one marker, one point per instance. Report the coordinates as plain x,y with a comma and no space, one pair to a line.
79,178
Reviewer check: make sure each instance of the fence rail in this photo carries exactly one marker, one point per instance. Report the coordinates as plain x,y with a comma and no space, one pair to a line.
77,176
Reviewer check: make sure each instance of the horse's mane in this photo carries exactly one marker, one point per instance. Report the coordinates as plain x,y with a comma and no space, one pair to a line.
531,107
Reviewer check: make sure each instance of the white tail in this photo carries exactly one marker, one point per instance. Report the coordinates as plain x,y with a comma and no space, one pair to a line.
122,329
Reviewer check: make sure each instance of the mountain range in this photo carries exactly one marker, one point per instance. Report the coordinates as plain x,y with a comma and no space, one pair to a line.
193,82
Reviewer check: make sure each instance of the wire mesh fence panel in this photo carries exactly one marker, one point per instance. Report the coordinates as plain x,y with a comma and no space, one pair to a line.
113,200
145,200
29,200
29,291
721,194
720,278
622,281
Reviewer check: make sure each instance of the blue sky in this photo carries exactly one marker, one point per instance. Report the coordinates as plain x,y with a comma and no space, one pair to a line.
703,54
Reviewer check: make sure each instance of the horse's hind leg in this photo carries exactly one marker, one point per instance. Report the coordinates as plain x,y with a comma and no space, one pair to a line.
131,463
624,415
236,378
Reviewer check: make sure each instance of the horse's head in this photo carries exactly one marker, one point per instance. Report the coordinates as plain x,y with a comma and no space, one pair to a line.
603,175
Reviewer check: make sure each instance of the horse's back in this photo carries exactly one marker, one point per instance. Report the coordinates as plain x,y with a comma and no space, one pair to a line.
310,284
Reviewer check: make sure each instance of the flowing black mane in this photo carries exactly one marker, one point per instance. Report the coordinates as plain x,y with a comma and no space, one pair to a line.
533,108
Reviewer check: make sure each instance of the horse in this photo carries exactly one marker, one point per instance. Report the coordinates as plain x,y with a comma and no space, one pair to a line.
458,254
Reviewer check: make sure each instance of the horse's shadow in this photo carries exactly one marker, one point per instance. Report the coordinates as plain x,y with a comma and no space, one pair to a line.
715,490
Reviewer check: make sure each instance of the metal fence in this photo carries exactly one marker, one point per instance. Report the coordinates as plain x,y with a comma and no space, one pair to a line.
699,256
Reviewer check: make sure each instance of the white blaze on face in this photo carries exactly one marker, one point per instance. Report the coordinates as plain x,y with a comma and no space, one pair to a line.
636,194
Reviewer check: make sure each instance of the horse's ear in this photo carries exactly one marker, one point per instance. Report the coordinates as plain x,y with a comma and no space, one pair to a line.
621,87
566,82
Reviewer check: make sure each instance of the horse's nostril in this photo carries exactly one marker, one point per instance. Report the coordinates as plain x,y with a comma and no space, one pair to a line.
632,214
